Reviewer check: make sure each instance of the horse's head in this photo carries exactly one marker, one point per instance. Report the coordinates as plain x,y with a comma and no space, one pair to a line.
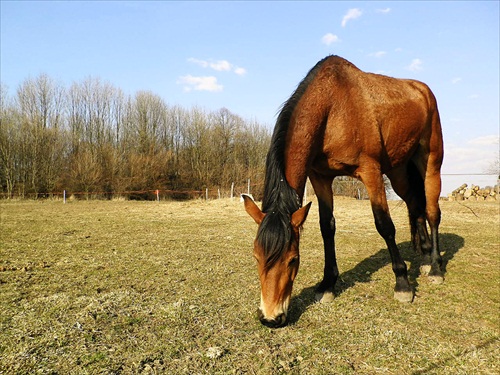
276,250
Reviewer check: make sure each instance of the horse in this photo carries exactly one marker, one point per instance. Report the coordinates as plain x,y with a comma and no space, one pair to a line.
341,121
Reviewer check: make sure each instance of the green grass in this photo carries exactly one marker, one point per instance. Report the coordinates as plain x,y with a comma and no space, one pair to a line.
116,287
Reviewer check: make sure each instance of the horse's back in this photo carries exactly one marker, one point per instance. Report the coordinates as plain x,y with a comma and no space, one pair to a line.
370,116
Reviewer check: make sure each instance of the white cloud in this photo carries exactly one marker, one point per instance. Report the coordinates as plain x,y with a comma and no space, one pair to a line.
415,65
475,156
385,11
473,96
456,80
218,65
240,71
201,63
329,39
221,65
351,15
378,54
208,83
485,140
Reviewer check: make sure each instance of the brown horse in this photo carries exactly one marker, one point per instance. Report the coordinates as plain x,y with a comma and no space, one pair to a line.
341,121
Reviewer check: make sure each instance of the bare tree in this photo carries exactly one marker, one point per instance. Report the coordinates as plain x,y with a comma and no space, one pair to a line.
494,168
97,117
91,137
150,120
225,128
41,103
85,172
9,142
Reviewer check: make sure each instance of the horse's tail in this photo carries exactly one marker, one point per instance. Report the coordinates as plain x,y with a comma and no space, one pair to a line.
416,183
417,186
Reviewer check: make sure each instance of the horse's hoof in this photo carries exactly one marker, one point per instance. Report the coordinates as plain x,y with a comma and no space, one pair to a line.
324,297
425,269
403,296
436,279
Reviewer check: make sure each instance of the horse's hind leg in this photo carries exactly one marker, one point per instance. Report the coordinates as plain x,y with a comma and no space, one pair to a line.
432,183
323,189
428,163
383,222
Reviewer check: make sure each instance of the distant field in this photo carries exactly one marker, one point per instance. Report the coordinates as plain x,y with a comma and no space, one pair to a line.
117,287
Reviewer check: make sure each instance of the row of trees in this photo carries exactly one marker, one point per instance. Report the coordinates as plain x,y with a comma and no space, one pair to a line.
91,137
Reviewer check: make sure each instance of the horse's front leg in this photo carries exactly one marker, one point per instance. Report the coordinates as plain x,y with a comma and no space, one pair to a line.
383,222
323,189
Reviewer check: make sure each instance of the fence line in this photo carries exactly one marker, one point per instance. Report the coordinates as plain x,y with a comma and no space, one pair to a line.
349,187
144,194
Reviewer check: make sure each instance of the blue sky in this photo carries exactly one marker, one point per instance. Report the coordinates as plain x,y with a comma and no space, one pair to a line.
249,56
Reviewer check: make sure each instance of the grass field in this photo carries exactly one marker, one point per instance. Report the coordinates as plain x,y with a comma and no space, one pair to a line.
117,287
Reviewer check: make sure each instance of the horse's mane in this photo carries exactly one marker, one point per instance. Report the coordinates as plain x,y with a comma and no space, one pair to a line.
280,199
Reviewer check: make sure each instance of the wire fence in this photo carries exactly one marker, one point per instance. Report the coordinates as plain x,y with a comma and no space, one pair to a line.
155,194
341,187
144,194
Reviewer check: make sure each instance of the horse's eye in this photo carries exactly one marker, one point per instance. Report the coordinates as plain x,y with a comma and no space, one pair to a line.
293,261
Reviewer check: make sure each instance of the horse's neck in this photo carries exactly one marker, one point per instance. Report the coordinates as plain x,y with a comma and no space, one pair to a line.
297,157
297,181
279,194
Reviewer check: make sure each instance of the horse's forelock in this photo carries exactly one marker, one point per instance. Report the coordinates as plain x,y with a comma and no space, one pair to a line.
274,236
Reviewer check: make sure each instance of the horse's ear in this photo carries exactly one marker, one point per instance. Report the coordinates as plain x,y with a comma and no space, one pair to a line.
252,209
299,216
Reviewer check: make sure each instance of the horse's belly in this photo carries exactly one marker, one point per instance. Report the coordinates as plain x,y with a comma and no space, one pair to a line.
335,164
344,159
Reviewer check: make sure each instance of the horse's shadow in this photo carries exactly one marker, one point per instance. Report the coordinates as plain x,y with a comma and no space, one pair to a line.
363,271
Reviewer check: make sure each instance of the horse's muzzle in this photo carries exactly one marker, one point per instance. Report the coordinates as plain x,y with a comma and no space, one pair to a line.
276,322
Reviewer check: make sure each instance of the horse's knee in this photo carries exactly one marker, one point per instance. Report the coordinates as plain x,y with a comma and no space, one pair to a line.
327,226
433,215
384,224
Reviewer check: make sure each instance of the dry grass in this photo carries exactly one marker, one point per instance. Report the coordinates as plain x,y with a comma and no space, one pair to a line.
145,287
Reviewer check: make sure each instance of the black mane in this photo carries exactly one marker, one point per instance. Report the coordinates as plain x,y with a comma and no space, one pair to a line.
280,199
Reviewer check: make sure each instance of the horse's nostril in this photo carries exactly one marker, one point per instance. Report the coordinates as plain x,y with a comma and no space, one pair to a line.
279,321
